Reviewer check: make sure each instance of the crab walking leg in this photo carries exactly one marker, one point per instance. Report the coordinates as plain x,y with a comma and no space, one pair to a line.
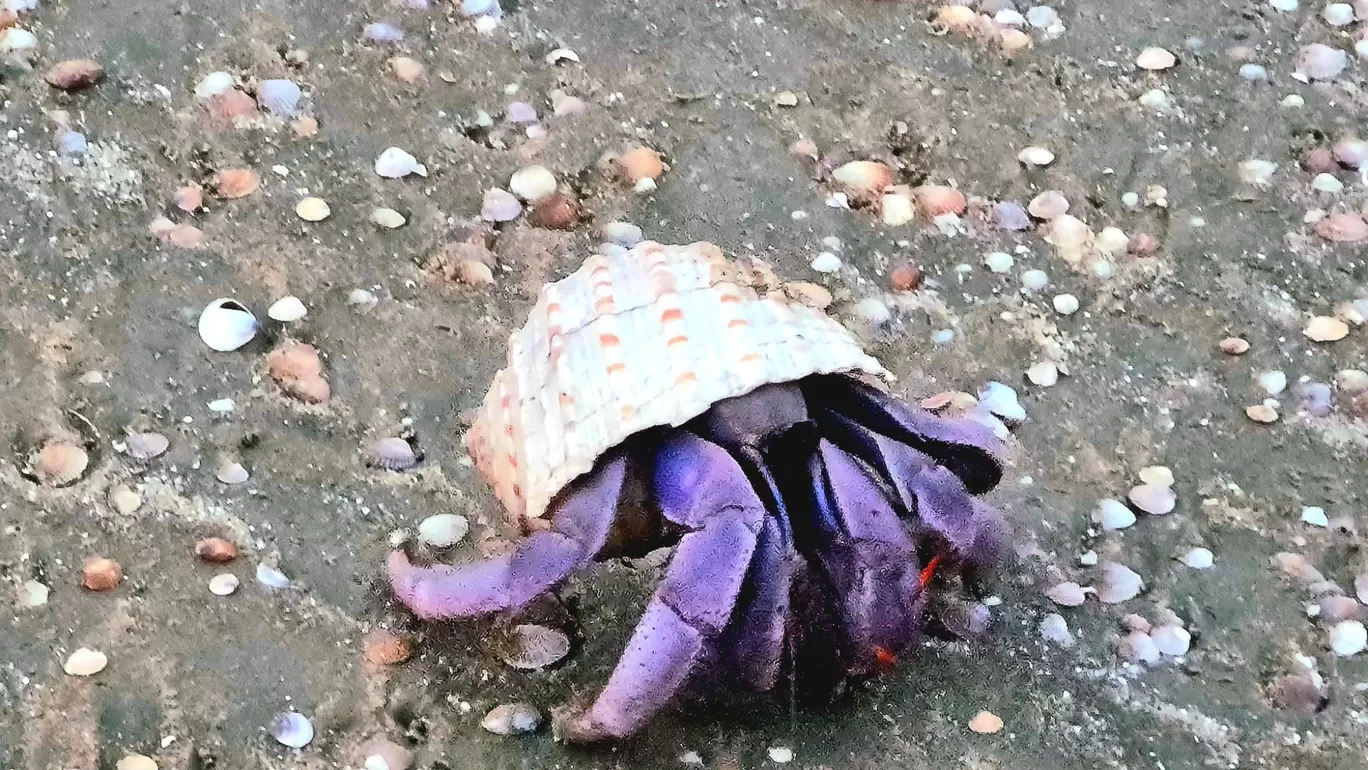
938,499
579,527
695,601
754,646
966,447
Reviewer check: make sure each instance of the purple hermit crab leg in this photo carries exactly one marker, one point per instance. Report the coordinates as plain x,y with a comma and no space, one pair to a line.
580,523
966,447
695,601
933,494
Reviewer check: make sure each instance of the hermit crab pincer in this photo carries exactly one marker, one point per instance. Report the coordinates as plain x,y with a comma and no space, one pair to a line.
670,394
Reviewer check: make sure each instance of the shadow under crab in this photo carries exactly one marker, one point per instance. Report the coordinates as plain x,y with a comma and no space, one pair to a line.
809,515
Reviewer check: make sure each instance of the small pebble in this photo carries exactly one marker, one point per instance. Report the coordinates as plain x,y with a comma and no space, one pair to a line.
101,574
826,262
1034,280
33,594
1042,16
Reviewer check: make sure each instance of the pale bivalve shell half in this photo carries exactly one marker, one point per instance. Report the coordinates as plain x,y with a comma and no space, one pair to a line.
227,325
287,309
651,336
396,163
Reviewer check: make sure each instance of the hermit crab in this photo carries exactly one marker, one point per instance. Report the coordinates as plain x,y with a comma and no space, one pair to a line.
670,394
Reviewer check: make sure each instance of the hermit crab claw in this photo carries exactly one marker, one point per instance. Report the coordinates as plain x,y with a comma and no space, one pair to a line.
789,487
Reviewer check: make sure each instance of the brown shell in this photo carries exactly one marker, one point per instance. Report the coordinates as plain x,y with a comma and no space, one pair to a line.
651,337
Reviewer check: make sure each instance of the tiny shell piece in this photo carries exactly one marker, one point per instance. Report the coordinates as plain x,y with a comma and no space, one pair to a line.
631,341
145,446
443,530
532,647
287,309
101,574
223,584
313,209
85,662
292,729
216,550
511,719
57,465
392,453
396,163
1325,328
986,723
280,97
233,183
1119,583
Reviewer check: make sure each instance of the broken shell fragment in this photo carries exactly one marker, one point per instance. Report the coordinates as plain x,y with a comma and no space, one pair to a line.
1119,583
292,729
443,530
1325,329
313,209
74,74
1262,413
287,309
57,464
640,163
534,647
1154,499
396,163
271,577
232,183
231,473
387,218
226,325
85,662
101,574
511,719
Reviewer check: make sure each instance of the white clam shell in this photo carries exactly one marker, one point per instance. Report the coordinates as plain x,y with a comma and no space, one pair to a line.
213,84
532,183
1199,558
232,473
533,647
290,728
271,577
443,530
511,719
1113,514
223,584
1119,583
287,309
227,325
1348,637
145,446
85,662
396,163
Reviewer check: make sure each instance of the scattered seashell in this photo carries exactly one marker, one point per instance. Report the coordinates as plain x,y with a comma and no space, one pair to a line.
532,183
313,209
382,32
1113,514
1035,157
905,278
297,368
1299,693
304,127
1199,558
382,647
559,55
1327,183
521,112
556,211
1072,238
1054,629
511,719
500,206
136,762
1138,647
563,104
1315,516
1011,216
290,728
475,273
1048,205
1001,401
934,200
986,723
231,472
231,108
226,325
780,755
85,662
1338,14
124,500
234,183
57,465
1234,346
998,261
216,550
145,446
406,69
1348,637
223,584
443,530
1119,583
1045,374
1325,329
1154,499
287,309
1296,566
863,180
1361,587
809,294
1343,227
387,218
826,263
1171,640
74,74
271,577
396,163
532,647
1351,152
391,453
1068,594
897,209
1334,609
1257,172
188,198
185,237
71,142
640,163
1321,62
1261,413
214,84
101,574
33,594
1155,59
384,754
279,96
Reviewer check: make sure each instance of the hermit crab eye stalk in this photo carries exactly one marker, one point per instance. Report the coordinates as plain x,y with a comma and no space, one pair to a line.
780,469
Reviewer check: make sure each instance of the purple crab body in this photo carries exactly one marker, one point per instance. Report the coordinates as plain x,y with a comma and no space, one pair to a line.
824,482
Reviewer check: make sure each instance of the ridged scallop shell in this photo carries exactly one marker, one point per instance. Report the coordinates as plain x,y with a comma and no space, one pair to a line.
280,97
651,336
57,465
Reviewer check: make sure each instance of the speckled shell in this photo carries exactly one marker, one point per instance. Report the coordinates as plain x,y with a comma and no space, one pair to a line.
651,337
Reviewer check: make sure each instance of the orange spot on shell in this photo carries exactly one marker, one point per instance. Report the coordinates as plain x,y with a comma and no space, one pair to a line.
673,314
686,378
617,368
677,340
609,340
737,322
